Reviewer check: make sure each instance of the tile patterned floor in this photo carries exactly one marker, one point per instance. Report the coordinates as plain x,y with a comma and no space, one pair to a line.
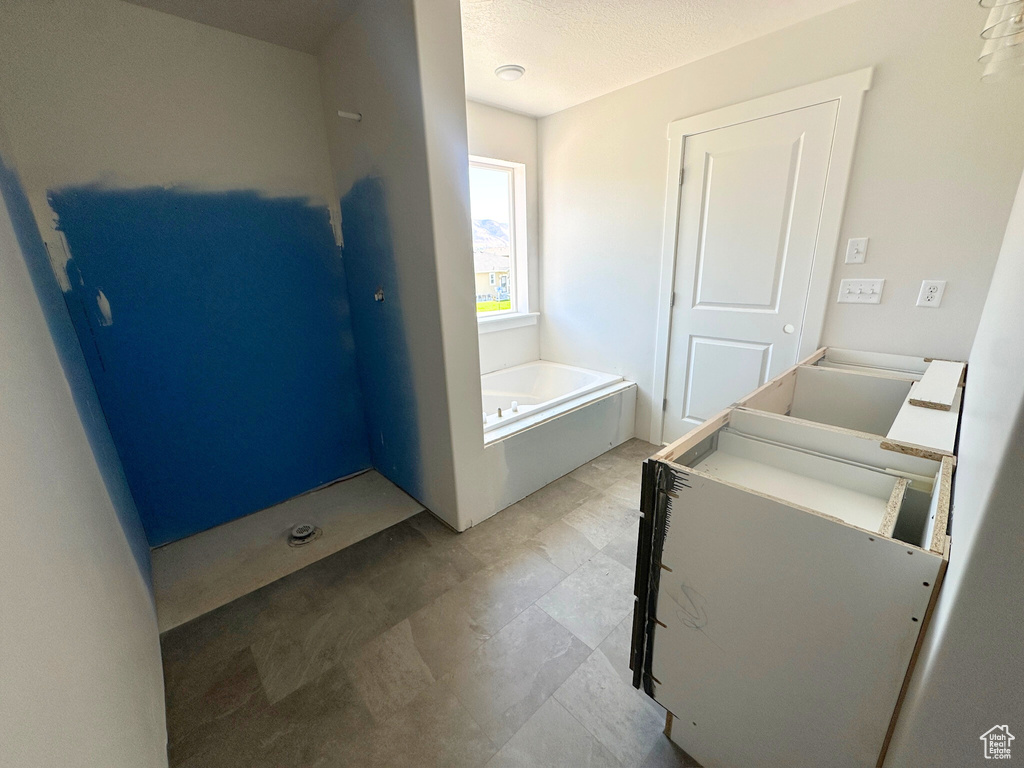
503,646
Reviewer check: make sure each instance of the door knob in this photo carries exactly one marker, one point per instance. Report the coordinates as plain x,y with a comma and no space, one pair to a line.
788,328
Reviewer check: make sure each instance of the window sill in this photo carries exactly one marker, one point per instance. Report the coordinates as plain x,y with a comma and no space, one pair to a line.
506,322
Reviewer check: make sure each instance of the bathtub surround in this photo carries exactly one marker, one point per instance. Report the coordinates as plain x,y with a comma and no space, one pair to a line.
925,185
524,455
79,654
217,331
502,135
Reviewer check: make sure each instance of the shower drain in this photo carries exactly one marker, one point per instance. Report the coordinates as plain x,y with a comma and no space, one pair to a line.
303,534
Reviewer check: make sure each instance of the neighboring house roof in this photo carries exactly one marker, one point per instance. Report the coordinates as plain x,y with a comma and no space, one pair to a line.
490,262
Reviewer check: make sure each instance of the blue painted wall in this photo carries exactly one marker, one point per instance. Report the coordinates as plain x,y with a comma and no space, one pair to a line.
227,370
384,371
75,368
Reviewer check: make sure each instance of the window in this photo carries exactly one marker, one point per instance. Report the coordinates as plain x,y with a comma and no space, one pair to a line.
498,206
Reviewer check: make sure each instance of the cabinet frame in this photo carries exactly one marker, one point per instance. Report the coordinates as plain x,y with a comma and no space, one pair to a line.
670,484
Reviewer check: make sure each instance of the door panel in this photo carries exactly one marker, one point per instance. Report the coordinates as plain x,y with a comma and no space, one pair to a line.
722,368
746,210
747,228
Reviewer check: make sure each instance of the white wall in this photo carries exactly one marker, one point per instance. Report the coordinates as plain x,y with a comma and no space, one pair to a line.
502,135
105,91
82,681
442,80
508,347
936,165
399,63
372,65
487,479
971,670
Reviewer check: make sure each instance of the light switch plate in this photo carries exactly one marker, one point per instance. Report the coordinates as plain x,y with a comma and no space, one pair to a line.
860,291
856,250
931,293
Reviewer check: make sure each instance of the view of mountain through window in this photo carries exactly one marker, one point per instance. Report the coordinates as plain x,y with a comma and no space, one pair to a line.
490,193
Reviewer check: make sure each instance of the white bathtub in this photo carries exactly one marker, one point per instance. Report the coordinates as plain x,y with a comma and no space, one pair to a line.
566,416
525,395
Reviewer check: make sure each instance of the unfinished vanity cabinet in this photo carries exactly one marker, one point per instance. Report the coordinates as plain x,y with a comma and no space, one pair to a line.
850,399
785,569
913,402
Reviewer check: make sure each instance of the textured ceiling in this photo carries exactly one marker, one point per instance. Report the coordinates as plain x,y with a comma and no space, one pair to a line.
575,50
303,25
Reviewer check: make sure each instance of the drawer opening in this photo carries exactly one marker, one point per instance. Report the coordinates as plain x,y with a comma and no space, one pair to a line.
854,494
838,473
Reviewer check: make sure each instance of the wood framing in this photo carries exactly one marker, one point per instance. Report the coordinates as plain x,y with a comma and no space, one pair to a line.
694,436
848,91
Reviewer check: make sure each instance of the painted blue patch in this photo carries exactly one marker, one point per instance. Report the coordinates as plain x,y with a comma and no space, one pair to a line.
226,369
73,362
381,349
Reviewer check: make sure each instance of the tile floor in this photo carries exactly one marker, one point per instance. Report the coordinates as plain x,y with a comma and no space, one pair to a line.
506,645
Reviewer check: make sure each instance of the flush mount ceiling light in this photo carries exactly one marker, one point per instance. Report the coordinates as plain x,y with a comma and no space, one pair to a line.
510,72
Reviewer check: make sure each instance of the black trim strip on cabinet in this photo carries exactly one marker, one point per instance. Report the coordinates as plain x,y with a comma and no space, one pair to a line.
654,508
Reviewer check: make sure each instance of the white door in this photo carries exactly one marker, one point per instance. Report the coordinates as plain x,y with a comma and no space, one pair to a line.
749,210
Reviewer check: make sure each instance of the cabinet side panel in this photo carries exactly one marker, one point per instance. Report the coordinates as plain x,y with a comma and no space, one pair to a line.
787,635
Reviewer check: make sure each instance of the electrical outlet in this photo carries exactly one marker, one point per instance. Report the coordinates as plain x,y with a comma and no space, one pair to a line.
860,291
856,250
931,293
